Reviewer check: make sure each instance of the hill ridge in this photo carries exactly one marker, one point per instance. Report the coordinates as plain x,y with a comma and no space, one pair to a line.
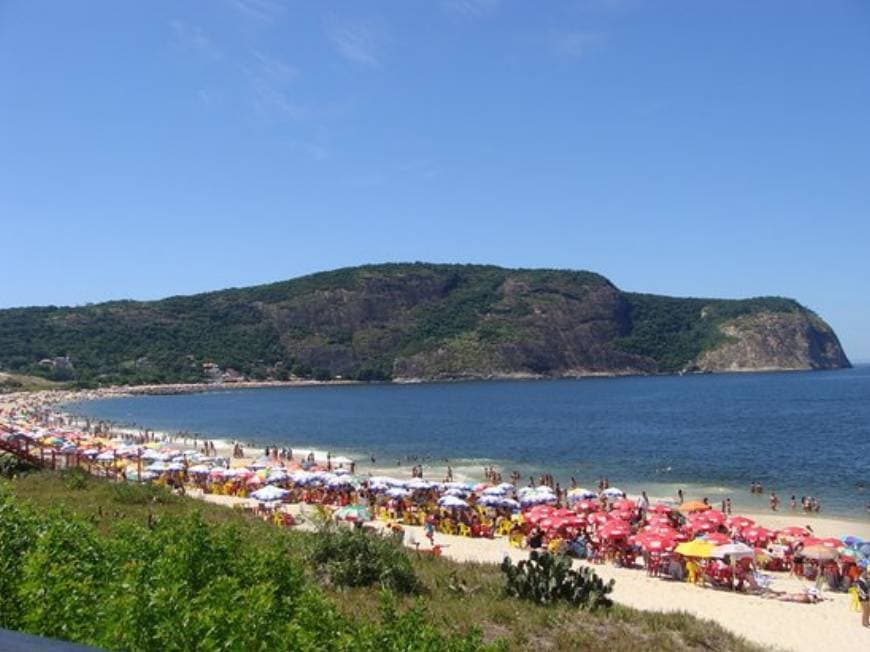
399,321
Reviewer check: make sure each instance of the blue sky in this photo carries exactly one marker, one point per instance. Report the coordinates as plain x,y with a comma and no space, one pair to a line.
688,148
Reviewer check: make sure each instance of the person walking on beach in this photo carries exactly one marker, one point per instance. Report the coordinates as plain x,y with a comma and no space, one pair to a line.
863,588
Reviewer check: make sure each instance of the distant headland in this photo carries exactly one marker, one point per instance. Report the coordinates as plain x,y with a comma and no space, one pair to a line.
409,322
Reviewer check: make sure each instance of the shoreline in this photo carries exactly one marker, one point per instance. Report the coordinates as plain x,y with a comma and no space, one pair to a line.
466,470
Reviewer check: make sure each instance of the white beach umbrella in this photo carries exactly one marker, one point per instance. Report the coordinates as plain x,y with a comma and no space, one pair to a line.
494,491
398,492
613,492
157,467
420,484
452,502
108,456
199,469
269,493
734,550
175,466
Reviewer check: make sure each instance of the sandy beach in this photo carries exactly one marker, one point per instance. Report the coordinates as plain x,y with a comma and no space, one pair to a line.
780,625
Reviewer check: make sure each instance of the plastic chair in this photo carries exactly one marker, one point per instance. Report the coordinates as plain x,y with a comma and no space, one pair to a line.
694,572
516,540
464,530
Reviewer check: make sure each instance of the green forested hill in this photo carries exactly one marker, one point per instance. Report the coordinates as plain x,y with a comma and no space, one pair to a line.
419,320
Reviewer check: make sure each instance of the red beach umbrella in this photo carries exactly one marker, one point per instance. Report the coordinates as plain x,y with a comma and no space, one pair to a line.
623,505
658,520
652,543
757,534
795,531
564,513
660,508
714,516
614,530
831,543
599,518
717,538
739,522
586,505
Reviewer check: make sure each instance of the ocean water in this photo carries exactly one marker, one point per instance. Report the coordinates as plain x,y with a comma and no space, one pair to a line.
804,433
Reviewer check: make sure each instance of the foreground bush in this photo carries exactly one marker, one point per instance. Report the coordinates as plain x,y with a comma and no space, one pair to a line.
353,558
546,579
181,585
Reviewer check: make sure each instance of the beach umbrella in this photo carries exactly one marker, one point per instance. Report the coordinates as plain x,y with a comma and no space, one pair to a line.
218,472
398,492
198,469
458,493
713,515
819,552
658,520
490,501
794,531
338,482
452,502
599,518
480,486
717,538
613,492
175,466
659,508
623,505
693,506
586,505
157,467
832,543
733,550
353,513
655,543
108,456
614,530
739,522
509,503
580,493
494,491
420,485
269,493
695,548
756,534
851,541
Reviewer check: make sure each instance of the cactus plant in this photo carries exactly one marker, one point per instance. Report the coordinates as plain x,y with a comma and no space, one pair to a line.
546,579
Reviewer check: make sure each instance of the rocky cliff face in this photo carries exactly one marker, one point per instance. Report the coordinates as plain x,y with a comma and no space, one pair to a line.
775,341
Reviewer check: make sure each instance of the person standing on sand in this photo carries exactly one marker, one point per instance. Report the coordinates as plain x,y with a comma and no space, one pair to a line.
863,588
680,495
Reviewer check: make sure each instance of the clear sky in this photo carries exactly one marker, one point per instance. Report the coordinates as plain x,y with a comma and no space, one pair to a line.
683,147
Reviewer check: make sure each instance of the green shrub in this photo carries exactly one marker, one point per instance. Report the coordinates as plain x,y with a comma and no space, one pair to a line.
10,466
131,493
352,558
546,579
76,479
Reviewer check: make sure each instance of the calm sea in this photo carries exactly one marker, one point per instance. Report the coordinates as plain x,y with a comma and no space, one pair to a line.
804,433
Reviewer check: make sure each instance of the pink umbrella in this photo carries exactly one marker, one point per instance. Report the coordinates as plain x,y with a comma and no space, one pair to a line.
660,508
739,522
614,530
795,531
586,506
757,534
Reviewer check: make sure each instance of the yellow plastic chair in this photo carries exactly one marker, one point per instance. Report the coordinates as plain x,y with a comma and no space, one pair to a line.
555,546
464,530
504,528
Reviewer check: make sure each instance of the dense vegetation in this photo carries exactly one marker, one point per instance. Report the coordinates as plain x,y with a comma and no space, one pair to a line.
136,568
547,579
374,323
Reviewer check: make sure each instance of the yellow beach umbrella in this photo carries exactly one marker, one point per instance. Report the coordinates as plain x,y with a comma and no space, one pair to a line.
696,548
694,506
